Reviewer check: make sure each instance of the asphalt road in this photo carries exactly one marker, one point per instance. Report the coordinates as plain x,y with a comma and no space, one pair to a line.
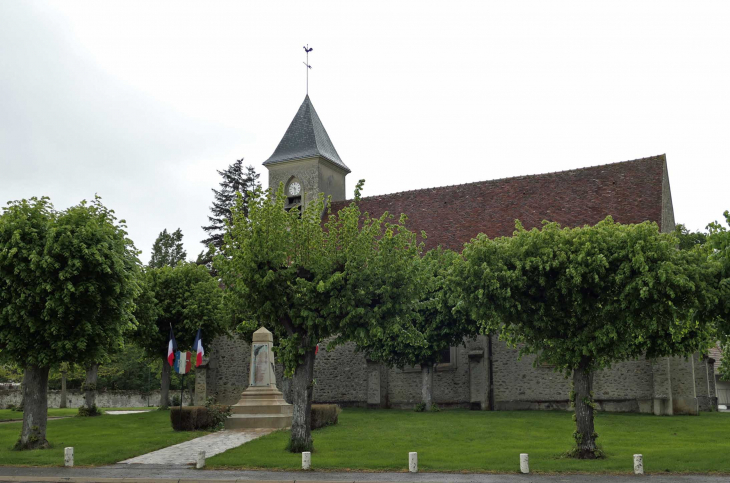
164,473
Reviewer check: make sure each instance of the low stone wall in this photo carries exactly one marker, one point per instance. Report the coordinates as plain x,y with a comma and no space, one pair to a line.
106,399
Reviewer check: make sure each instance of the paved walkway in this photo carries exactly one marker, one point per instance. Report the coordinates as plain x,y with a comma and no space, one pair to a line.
175,474
187,453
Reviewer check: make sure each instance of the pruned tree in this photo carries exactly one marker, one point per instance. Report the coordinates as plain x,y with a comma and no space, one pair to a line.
347,278
440,327
168,250
185,297
585,298
69,280
719,254
236,179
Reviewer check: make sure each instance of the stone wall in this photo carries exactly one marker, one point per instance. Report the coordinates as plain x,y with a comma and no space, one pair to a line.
519,385
341,376
226,369
345,377
106,399
684,395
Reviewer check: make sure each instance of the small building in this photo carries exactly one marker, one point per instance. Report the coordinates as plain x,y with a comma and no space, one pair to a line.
483,373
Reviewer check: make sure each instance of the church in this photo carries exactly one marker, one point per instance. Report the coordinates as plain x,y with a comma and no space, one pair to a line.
483,373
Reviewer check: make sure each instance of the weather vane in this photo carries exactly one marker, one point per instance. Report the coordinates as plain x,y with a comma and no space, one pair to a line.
307,49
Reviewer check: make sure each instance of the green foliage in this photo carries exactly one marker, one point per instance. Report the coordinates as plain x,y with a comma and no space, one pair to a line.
325,415
439,326
589,296
236,181
584,298
10,373
420,407
69,281
719,242
210,417
168,251
689,239
351,277
86,412
185,297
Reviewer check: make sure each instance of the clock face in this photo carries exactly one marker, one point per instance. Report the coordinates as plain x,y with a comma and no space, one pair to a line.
294,188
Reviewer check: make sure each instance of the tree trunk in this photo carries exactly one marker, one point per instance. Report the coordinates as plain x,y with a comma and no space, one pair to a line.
92,373
302,389
427,386
63,389
165,384
585,435
35,409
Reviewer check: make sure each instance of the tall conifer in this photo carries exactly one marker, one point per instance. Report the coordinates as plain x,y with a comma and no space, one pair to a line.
235,179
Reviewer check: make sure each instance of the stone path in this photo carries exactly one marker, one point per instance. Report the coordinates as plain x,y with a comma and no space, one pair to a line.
187,453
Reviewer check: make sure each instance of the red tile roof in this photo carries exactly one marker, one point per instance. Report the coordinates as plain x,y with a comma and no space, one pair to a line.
630,191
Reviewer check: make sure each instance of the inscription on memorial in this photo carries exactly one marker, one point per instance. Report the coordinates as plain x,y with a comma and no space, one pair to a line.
260,364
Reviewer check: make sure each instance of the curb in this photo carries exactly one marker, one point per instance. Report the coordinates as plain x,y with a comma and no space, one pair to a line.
154,480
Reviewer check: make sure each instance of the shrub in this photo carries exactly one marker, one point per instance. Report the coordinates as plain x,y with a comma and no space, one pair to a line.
88,412
324,415
175,400
420,407
195,418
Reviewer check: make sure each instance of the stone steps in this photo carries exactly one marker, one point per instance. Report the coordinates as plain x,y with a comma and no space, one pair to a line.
247,421
250,408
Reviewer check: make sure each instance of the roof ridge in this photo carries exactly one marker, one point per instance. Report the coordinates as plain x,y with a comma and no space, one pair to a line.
524,176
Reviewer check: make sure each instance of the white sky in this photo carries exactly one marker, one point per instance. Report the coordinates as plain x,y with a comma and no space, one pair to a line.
141,102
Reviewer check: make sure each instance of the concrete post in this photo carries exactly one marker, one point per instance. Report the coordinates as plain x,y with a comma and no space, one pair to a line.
306,460
638,464
201,460
68,456
524,463
413,462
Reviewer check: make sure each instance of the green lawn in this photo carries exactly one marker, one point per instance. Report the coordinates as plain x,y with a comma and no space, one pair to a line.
10,415
96,441
481,441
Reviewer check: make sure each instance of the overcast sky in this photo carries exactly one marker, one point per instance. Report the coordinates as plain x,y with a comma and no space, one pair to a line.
141,102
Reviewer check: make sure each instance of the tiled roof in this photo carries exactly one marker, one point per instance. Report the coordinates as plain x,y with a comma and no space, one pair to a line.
630,191
306,137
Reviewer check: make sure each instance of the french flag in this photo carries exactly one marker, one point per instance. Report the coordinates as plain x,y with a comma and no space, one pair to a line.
198,348
171,348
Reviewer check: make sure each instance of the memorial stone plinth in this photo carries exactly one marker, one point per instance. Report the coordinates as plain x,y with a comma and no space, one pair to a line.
261,405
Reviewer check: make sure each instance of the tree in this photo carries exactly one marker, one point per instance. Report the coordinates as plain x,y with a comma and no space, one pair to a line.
236,179
584,298
184,297
440,327
168,250
719,244
69,280
349,278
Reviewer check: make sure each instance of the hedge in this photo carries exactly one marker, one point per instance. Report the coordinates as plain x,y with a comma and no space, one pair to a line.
324,415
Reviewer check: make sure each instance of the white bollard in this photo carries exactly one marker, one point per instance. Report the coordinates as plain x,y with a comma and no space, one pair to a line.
306,460
524,463
201,460
68,456
638,464
413,462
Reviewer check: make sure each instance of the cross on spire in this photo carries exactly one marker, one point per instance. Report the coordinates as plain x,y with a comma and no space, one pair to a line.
307,49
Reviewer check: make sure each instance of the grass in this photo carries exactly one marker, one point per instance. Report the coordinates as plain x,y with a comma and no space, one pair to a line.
482,441
97,441
10,415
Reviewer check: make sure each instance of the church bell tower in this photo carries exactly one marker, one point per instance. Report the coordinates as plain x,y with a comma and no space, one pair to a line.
306,161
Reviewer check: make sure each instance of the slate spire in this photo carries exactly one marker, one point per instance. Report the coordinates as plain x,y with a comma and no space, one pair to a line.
306,137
